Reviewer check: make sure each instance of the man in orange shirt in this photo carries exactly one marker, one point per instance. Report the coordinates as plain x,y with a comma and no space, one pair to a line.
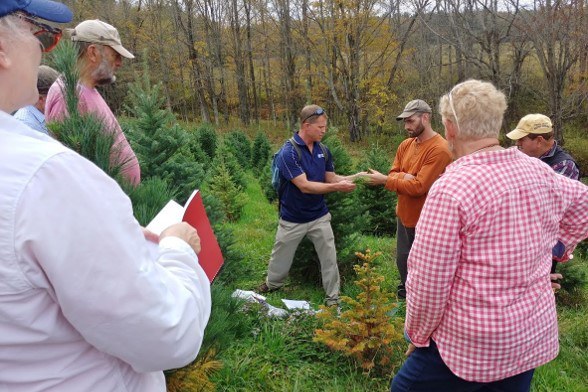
419,161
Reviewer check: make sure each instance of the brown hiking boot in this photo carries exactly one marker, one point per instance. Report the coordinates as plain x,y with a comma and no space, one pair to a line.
263,288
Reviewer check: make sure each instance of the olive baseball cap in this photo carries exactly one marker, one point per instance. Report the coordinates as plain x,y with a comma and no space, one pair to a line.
415,106
98,32
532,123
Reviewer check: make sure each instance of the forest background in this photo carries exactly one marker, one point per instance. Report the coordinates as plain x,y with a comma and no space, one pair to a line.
362,60
236,73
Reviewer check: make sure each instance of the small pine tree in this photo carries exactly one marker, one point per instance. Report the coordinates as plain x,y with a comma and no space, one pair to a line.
230,195
240,145
163,147
208,140
224,155
260,152
365,331
379,202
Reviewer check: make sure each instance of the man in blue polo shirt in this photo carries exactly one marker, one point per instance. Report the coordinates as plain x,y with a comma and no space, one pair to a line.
303,211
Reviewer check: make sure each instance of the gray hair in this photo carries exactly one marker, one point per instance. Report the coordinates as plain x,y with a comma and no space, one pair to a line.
476,108
45,79
11,27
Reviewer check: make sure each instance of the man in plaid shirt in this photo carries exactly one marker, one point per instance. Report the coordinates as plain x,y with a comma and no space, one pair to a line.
480,308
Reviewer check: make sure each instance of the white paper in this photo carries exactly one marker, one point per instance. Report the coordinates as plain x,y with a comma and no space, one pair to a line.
170,214
292,304
250,296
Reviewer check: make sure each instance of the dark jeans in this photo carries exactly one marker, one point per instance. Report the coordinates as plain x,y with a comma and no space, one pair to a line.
425,371
404,240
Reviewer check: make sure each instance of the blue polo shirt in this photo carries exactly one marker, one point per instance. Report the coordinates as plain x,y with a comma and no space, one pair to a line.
295,206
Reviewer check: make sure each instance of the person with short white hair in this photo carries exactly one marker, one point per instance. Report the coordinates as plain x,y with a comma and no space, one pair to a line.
480,309
84,305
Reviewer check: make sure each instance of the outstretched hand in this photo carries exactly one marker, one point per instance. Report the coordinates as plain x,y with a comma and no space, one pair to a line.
374,177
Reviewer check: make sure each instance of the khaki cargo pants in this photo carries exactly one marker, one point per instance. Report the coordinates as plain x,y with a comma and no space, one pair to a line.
288,238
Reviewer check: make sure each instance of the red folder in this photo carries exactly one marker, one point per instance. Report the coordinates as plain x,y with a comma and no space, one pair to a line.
210,256
193,212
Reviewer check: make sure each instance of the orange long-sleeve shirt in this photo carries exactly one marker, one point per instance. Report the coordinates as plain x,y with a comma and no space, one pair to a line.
425,161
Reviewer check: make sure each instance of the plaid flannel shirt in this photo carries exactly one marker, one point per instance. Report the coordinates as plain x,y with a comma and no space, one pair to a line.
478,272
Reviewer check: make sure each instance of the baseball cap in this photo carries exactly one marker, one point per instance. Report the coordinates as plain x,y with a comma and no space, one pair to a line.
415,106
98,32
532,123
43,9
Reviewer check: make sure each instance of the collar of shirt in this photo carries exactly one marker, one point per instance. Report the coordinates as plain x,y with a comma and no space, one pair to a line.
550,152
38,114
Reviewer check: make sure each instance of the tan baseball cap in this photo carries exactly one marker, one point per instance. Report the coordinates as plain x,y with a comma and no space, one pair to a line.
532,123
415,106
98,32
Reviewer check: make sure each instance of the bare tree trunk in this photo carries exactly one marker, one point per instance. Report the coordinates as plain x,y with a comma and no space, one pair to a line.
254,96
291,85
239,64
187,28
267,72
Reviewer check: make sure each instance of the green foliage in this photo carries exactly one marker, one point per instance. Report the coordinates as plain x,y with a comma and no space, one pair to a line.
260,152
578,148
573,285
265,180
85,134
348,217
240,146
379,203
364,331
224,156
228,321
64,59
164,149
149,198
224,189
207,139
183,174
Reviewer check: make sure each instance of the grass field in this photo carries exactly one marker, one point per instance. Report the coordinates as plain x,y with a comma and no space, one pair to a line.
279,354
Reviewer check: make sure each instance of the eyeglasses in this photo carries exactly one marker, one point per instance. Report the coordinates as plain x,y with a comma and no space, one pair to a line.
48,36
453,109
317,112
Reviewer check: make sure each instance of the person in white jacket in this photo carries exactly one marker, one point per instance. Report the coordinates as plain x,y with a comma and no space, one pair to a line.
84,306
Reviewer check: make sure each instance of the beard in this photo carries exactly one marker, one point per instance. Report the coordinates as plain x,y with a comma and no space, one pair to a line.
104,74
418,131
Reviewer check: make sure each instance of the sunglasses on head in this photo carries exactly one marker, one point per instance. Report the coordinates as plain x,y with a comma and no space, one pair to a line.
317,112
47,35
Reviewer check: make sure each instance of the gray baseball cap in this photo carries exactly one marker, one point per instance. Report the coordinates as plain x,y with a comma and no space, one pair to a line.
414,106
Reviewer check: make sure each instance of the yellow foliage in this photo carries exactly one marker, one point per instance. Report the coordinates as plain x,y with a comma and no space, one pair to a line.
196,376
365,331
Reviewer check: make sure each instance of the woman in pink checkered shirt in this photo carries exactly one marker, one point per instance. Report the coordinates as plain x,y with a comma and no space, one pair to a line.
480,309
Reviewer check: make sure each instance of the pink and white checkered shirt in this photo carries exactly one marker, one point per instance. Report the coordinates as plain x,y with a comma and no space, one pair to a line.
478,272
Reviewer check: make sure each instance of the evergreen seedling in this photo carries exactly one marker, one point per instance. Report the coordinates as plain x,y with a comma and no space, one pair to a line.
365,331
